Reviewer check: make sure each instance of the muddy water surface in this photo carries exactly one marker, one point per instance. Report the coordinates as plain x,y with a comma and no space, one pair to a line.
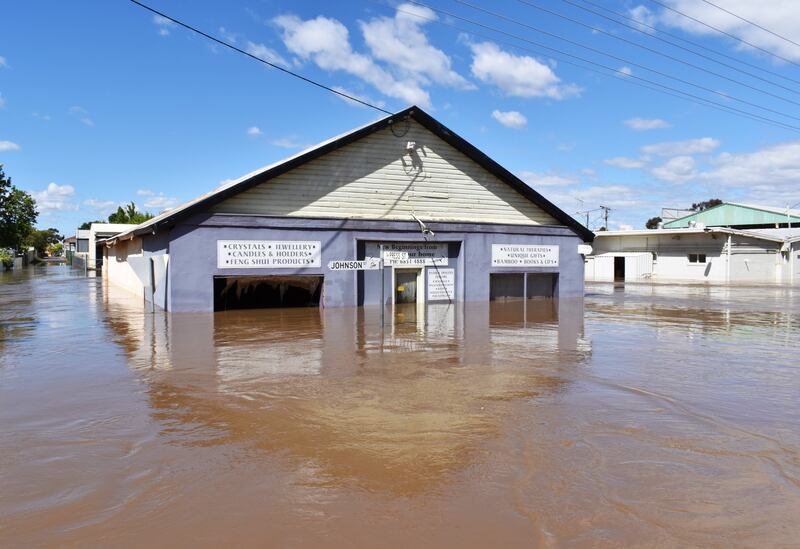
649,416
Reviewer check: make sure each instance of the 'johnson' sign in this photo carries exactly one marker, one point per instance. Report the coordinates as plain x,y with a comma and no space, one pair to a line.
267,254
515,255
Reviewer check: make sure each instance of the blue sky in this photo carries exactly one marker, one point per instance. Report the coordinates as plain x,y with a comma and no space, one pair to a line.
102,103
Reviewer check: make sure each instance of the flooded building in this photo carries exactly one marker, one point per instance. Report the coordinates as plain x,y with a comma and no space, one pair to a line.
697,254
454,226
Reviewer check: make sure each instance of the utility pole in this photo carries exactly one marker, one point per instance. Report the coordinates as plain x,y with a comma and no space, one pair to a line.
605,209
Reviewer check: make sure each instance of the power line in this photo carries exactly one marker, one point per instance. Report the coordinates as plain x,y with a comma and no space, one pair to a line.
751,22
248,54
634,63
684,48
631,42
742,40
640,81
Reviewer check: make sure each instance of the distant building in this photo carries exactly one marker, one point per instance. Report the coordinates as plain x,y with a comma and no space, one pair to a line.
458,226
87,246
737,216
707,255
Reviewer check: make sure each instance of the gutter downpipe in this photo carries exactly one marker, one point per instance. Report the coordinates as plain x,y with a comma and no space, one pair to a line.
728,262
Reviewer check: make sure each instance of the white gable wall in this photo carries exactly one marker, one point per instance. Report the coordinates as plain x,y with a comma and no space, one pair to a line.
374,178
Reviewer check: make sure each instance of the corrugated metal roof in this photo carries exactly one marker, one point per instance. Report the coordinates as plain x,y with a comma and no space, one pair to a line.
736,214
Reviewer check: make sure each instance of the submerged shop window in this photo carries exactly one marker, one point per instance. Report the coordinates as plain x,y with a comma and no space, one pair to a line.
697,258
266,292
516,286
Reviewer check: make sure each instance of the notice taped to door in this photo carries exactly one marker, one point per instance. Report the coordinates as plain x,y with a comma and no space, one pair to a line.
520,255
441,284
268,254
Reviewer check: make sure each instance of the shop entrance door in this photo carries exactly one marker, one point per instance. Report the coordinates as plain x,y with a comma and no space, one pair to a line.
406,285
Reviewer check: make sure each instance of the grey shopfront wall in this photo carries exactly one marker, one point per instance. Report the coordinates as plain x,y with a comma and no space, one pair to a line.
192,248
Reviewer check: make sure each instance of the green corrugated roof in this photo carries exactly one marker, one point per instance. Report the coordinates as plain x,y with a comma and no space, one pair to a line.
731,215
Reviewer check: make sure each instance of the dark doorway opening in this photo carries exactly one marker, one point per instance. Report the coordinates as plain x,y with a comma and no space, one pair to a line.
266,292
98,256
619,269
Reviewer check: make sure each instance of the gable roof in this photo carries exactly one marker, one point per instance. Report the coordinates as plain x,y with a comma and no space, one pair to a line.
268,172
735,214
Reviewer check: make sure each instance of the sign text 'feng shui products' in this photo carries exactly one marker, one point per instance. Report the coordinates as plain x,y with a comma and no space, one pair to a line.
522,255
267,254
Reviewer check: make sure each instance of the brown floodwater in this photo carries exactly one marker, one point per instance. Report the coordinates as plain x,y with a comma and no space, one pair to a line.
641,416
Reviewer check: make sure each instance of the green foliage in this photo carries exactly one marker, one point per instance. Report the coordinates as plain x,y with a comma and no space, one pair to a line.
700,206
86,225
40,239
56,249
129,214
653,222
6,258
17,214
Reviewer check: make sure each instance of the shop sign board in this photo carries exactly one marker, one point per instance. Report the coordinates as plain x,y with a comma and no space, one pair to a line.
522,255
268,254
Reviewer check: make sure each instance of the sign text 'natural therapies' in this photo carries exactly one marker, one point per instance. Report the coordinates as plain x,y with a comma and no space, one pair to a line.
518,255
267,254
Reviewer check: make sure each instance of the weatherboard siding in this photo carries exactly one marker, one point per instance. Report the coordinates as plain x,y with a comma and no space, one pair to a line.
374,178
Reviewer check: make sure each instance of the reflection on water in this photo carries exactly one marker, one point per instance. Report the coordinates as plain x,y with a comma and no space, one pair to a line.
667,417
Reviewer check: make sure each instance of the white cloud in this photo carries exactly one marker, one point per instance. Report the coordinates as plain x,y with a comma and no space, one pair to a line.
163,25
160,202
40,116
144,192
365,98
253,131
82,114
55,198
775,167
643,124
535,179
2,101
287,143
613,196
510,119
97,204
676,170
690,146
400,42
8,146
643,15
517,75
780,16
626,71
266,54
231,37
327,43
625,162
3,62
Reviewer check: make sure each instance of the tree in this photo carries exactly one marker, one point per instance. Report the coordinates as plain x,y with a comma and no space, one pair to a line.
55,250
653,222
129,215
700,206
86,225
41,239
17,214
